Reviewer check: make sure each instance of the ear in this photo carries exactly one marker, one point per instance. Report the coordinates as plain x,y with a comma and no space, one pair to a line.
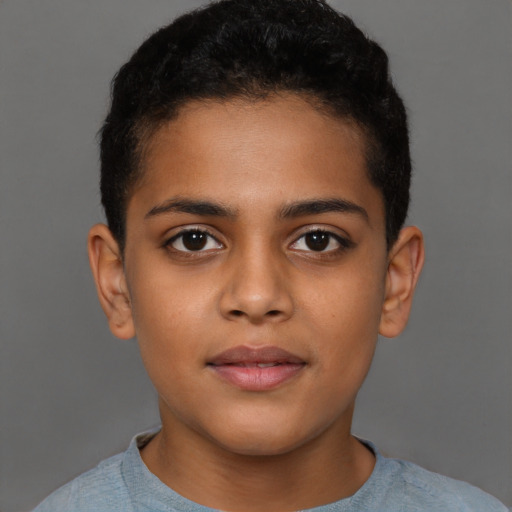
107,267
405,263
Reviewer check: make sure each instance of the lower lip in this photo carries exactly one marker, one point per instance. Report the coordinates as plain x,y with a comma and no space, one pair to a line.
254,378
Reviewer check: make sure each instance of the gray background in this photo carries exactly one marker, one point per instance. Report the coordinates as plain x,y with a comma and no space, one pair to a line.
71,394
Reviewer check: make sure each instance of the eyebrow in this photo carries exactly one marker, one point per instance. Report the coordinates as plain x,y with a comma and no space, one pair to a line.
194,207
318,206
296,209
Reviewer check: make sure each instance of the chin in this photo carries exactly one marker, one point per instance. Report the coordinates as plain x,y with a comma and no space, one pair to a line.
274,440
260,447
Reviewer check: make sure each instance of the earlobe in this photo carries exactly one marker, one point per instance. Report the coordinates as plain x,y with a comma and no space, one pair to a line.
406,259
107,267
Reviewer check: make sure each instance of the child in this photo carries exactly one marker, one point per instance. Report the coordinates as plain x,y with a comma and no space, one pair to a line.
255,179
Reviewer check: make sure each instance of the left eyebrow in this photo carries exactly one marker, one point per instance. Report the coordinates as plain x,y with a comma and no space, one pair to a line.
318,206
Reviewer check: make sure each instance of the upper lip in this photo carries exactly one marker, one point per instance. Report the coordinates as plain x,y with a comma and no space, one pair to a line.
245,355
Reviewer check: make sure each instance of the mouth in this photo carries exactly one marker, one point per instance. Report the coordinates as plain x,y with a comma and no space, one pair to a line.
256,369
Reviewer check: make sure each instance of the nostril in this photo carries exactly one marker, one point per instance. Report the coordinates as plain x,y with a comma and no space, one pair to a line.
237,312
273,312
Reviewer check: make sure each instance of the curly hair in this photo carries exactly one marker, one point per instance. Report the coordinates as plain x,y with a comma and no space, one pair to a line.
242,48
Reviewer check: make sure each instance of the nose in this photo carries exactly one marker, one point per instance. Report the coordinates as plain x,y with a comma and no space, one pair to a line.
257,290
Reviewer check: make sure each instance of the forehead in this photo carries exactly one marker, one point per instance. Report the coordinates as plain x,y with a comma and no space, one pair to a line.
246,152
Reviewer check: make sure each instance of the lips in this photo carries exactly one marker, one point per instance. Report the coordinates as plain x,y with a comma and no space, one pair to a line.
256,369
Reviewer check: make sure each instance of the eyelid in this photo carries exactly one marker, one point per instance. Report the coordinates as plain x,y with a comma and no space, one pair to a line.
183,230
344,240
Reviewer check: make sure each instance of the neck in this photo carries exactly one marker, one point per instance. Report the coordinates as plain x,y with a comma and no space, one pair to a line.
328,468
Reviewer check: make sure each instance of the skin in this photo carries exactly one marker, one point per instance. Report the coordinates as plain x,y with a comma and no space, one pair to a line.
257,283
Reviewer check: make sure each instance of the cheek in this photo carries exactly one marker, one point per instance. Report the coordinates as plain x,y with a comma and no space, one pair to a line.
168,314
163,295
346,301
343,311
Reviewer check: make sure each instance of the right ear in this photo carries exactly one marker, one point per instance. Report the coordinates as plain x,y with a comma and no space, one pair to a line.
107,268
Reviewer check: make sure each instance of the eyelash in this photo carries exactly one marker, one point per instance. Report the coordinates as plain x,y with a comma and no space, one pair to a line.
343,243
188,252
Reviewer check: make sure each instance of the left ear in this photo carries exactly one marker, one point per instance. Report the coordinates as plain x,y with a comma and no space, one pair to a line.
405,263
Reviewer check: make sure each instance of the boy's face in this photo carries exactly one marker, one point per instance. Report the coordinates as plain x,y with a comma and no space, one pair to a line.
256,272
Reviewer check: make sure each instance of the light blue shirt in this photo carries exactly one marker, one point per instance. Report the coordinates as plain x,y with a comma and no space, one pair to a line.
124,483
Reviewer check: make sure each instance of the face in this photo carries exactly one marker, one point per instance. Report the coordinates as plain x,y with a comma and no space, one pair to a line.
255,265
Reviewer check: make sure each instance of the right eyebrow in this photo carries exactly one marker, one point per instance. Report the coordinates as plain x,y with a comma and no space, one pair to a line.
195,207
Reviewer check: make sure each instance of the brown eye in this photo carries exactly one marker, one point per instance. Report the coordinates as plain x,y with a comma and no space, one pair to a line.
320,241
193,240
317,240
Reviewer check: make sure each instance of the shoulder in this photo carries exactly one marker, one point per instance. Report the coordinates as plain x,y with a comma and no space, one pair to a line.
421,489
101,488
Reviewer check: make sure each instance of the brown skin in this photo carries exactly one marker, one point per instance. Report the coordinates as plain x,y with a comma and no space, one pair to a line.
257,282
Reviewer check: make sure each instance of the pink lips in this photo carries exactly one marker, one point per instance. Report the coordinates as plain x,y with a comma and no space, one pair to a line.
256,369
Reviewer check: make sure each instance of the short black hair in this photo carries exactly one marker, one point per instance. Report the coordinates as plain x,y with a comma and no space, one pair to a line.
252,49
